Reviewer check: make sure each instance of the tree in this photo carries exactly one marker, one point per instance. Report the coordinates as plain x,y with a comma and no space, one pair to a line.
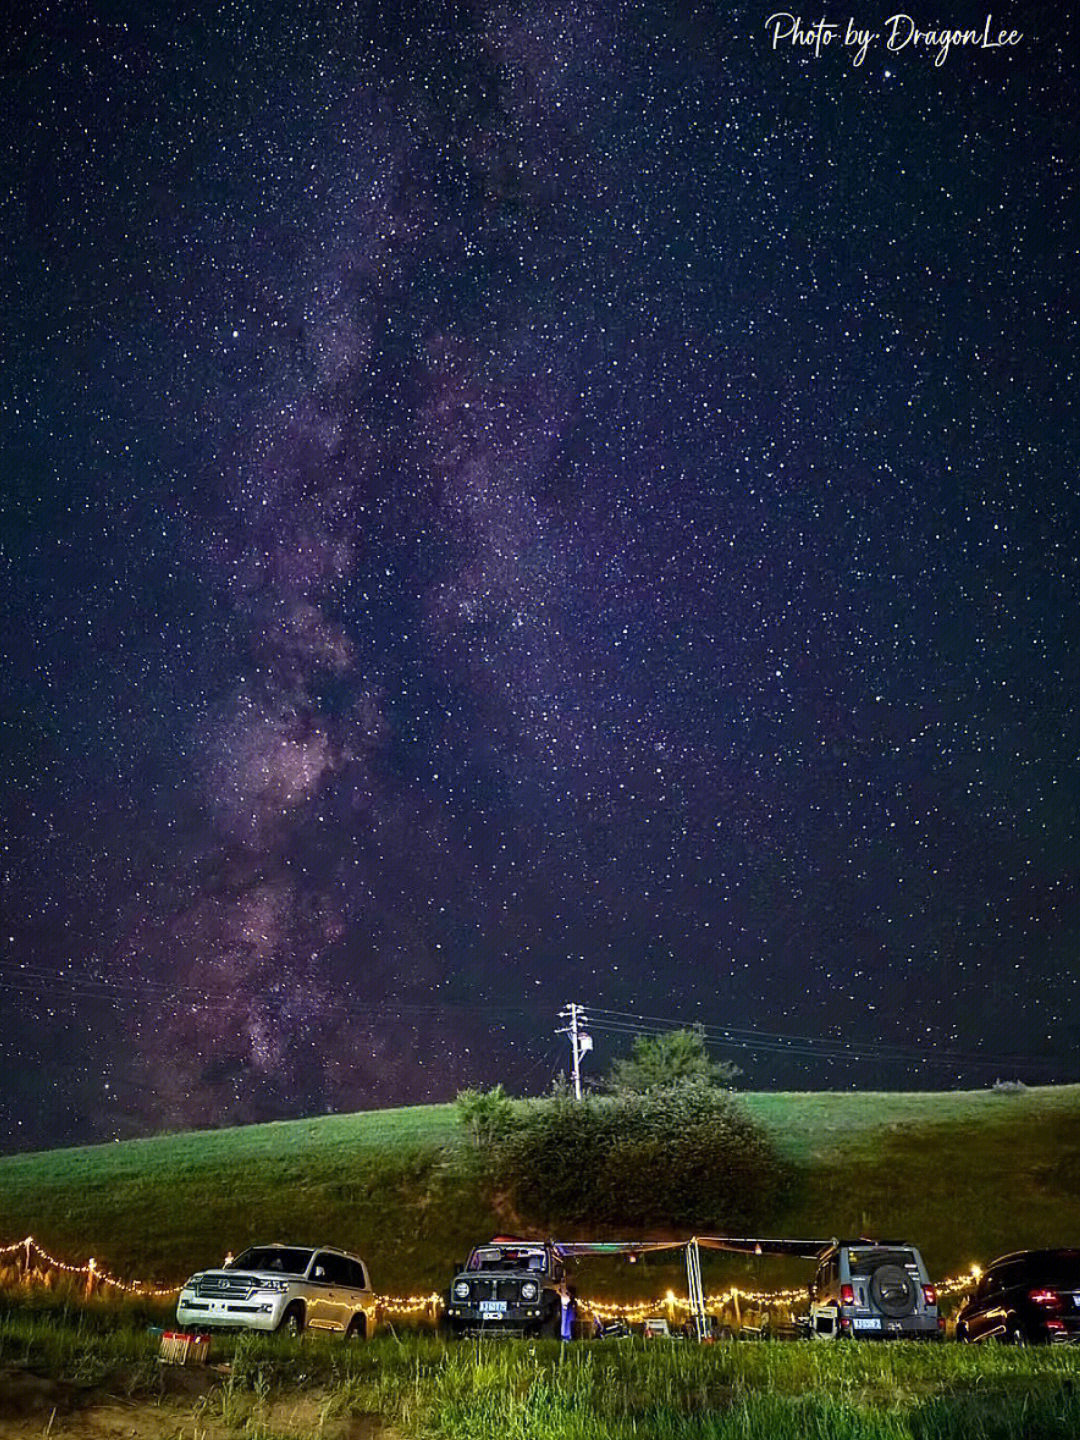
486,1115
670,1058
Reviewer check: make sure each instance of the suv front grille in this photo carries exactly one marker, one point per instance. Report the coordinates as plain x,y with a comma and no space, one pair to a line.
508,1290
225,1287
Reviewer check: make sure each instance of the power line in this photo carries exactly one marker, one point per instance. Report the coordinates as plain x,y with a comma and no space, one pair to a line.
51,987
33,980
740,1037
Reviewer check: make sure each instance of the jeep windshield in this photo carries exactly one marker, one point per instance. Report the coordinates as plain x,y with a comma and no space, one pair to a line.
278,1258
509,1257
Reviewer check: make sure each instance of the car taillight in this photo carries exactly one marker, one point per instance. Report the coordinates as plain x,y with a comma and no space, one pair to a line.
929,1294
1050,1298
847,1295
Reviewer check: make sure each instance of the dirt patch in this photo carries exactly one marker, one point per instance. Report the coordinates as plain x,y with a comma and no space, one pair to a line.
24,1395
193,1406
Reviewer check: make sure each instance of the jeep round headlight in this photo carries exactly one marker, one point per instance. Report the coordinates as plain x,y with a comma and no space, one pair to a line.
461,1290
528,1290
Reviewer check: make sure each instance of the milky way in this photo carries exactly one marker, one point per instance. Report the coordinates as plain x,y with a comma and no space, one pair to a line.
511,504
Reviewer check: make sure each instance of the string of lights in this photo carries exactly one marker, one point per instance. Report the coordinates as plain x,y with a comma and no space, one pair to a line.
721,1301
93,1273
406,1306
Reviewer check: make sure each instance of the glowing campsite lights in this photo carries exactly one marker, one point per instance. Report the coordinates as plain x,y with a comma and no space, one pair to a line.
634,1312
92,1271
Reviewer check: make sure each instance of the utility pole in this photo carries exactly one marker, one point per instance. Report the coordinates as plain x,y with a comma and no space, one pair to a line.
580,1043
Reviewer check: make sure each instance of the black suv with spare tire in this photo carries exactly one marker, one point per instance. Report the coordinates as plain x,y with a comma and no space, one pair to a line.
508,1287
873,1290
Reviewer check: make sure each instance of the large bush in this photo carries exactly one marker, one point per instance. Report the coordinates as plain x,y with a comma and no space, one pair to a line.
684,1156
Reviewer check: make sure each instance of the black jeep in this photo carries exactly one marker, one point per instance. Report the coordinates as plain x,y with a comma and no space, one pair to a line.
508,1287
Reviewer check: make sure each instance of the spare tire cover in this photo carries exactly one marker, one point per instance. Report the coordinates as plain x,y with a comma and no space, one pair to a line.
893,1291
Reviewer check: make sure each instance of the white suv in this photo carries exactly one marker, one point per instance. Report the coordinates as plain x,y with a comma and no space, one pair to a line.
282,1287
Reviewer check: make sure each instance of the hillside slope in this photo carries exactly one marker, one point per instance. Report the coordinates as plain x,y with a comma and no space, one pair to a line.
966,1175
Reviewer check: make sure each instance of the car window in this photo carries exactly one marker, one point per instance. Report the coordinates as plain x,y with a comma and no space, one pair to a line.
1015,1273
279,1259
1058,1270
357,1275
864,1262
508,1257
335,1268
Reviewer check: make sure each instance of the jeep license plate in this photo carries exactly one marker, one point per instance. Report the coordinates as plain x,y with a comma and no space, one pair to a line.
873,1323
492,1307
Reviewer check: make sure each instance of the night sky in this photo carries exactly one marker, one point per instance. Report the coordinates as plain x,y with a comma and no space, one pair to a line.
508,504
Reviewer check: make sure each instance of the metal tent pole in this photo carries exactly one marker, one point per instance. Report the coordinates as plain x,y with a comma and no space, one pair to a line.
695,1291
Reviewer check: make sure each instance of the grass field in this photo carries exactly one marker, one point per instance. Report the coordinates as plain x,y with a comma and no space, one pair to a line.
966,1175
423,1388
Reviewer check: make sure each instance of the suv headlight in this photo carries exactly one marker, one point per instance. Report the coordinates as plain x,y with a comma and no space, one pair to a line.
461,1290
276,1287
529,1290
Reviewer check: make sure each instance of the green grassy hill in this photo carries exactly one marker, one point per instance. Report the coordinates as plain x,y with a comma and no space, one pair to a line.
966,1175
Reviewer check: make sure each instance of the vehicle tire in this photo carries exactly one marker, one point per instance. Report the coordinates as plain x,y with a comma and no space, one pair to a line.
292,1322
893,1291
550,1328
962,1335
357,1329
1015,1334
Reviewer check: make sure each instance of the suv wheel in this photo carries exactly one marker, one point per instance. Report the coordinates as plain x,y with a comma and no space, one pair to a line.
893,1291
357,1328
292,1322
1015,1334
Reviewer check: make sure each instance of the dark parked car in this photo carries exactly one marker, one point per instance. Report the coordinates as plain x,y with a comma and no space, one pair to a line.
1029,1298
508,1287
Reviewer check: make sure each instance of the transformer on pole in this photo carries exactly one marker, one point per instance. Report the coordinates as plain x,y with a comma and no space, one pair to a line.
580,1043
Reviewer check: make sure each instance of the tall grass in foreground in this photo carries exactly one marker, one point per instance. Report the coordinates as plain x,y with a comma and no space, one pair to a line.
615,1390
85,1344
638,1390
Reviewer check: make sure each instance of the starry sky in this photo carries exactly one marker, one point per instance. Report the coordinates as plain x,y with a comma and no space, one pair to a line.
510,503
